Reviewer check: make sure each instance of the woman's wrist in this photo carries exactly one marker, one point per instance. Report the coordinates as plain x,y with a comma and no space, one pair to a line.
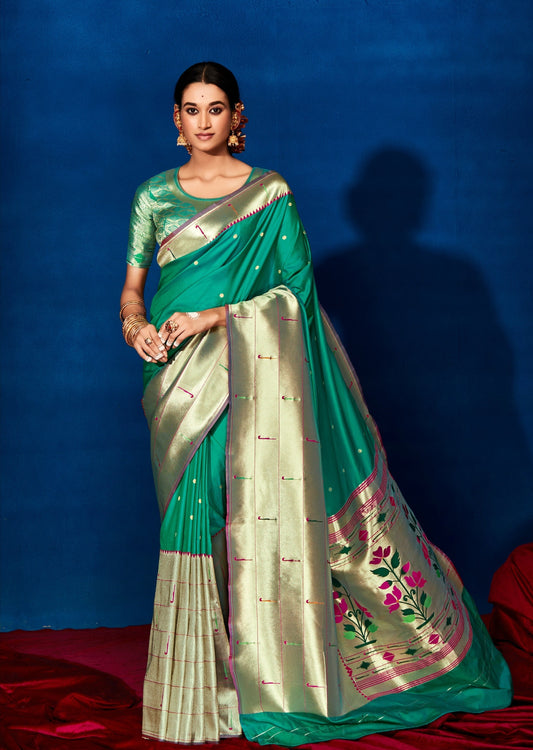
131,306
131,326
218,315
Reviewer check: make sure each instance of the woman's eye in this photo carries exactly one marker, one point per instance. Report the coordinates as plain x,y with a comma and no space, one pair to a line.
216,110
191,111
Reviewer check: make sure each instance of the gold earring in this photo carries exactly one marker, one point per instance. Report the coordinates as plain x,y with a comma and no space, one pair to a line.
181,141
233,140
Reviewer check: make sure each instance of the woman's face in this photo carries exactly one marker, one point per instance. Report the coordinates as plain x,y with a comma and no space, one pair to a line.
205,117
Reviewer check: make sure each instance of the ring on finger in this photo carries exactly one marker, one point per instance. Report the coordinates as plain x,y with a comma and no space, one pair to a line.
148,340
171,326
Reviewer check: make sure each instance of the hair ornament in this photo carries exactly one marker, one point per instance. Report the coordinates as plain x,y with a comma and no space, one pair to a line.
237,138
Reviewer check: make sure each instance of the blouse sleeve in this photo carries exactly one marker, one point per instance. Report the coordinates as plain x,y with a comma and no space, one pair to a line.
142,239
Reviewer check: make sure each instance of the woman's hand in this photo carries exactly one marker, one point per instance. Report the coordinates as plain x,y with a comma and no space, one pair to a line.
149,346
182,325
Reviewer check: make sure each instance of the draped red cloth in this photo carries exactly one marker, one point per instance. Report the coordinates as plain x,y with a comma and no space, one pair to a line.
47,703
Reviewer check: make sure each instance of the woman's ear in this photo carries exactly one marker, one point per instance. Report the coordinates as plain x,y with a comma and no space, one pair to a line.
176,116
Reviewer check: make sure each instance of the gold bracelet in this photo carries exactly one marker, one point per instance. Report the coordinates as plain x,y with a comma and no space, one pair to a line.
139,302
132,325
131,320
132,334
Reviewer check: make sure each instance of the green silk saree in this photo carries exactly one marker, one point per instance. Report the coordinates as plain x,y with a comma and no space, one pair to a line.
297,599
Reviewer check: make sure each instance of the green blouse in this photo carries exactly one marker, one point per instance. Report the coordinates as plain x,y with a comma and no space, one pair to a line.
160,206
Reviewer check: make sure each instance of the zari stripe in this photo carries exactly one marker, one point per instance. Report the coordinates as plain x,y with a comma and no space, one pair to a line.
207,225
181,404
283,649
188,691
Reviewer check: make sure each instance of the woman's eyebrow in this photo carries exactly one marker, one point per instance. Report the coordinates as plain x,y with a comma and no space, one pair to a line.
193,104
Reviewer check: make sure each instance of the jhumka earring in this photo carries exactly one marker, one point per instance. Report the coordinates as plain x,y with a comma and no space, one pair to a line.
233,140
181,141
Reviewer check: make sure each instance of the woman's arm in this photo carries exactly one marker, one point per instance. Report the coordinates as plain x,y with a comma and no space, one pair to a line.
146,343
151,344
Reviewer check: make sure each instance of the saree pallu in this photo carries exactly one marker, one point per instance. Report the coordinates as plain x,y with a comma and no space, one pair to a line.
298,598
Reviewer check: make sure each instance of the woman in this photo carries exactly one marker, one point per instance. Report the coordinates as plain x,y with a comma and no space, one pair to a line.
297,599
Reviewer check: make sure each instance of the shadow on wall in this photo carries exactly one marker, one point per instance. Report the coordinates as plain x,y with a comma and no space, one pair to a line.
435,367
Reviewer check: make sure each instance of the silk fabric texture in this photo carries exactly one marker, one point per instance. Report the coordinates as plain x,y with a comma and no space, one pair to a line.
273,486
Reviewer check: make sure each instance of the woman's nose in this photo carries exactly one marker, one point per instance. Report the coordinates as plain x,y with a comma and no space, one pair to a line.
205,120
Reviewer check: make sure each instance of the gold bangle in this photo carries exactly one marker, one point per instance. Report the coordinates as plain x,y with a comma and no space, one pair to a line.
132,317
132,334
130,320
126,332
132,325
139,302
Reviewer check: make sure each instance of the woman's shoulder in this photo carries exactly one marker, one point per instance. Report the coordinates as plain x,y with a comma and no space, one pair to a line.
157,180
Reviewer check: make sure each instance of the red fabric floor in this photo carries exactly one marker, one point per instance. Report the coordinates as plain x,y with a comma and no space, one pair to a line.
80,689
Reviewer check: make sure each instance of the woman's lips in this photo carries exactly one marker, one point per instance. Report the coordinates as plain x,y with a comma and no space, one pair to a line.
204,136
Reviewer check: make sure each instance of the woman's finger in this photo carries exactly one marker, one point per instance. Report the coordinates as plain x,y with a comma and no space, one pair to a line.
170,330
183,334
149,346
179,327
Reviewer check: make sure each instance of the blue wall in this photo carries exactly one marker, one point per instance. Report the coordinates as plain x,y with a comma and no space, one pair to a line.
405,131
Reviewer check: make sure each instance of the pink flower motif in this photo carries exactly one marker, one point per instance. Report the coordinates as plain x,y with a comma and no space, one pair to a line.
336,595
415,580
363,610
392,600
426,553
392,501
363,535
388,656
340,608
433,639
386,585
406,568
379,555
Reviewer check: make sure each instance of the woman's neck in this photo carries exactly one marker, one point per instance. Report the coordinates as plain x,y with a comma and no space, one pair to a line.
209,166
211,176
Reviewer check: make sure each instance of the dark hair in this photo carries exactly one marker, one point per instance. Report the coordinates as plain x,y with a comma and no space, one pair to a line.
209,72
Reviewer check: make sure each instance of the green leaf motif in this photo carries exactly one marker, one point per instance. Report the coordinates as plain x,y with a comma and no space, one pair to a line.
408,611
350,636
349,628
423,598
336,583
372,627
409,618
381,572
395,559
428,601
